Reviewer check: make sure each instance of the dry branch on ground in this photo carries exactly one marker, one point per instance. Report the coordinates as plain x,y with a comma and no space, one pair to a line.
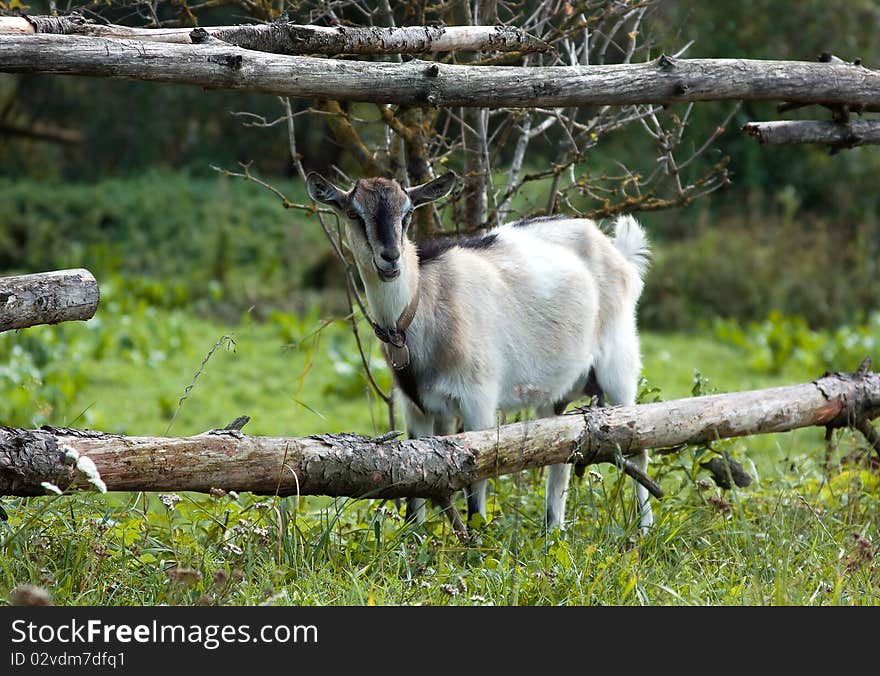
434,467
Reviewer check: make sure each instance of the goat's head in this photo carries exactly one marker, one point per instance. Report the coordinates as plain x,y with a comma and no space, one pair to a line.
378,212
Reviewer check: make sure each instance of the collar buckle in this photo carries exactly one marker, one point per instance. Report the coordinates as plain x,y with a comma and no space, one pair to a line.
395,338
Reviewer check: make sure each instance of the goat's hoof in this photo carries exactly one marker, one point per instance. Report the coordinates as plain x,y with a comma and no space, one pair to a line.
476,521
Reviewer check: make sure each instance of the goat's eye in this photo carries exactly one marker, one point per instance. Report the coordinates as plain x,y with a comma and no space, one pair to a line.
357,219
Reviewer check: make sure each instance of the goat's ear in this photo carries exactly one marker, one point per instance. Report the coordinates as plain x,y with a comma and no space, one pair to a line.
322,190
432,190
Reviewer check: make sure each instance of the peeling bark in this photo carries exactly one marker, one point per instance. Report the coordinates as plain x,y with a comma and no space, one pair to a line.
47,298
289,38
361,467
421,83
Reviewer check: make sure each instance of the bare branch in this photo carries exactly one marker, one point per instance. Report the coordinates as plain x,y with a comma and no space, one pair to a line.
351,291
417,83
290,38
519,154
826,132
346,135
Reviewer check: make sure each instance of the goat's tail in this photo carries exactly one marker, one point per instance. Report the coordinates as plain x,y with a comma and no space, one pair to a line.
631,240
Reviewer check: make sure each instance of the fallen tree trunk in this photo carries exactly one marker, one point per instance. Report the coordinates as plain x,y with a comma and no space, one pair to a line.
421,83
827,132
285,37
47,298
435,467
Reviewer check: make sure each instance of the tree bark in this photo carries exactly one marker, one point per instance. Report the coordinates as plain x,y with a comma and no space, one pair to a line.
662,81
828,132
360,467
47,298
290,38
474,139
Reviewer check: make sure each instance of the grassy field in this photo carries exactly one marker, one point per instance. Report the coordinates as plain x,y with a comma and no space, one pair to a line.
792,537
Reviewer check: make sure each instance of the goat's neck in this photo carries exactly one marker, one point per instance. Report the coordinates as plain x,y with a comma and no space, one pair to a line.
388,300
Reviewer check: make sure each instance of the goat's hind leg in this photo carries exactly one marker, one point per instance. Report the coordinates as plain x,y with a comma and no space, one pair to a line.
558,476
646,514
617,373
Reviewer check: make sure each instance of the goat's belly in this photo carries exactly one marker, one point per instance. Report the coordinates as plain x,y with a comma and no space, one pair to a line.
543,385
514,390
441,404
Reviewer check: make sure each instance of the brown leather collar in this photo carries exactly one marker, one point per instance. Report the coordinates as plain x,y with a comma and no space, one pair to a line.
395,338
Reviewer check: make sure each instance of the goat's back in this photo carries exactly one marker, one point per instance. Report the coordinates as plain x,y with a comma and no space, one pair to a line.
618,264
536,300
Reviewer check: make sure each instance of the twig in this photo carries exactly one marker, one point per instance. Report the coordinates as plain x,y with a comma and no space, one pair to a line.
519,154
870,434
351,292
830,449
248,176
636,472
224,340
455,520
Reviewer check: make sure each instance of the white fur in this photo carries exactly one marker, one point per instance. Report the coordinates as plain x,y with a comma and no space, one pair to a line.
532,331
517,324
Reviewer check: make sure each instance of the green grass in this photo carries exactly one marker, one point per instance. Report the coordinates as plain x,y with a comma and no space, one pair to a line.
791,538
221,372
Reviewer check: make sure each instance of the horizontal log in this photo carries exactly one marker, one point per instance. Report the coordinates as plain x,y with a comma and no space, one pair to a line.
356,466
827,132
662,81
286,37
47,298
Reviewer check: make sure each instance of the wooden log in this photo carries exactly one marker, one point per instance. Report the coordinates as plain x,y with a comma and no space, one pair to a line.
285,37
361,467
47,298
421,83
827,132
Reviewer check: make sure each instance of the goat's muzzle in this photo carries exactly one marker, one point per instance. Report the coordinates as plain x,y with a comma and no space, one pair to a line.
389,267
388,275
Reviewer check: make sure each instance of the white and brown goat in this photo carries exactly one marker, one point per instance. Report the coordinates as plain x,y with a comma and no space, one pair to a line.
518,317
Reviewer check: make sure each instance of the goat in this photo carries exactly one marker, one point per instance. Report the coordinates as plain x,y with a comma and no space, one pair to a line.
533,313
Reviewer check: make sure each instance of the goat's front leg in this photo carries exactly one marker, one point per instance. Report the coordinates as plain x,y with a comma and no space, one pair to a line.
418,424
477,414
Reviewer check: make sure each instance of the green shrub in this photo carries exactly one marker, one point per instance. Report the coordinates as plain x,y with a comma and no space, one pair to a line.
222,243
746,272
777,341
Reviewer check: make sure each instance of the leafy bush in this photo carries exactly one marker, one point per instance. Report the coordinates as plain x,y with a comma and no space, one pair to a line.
745,272
43,368
777,341
222,244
